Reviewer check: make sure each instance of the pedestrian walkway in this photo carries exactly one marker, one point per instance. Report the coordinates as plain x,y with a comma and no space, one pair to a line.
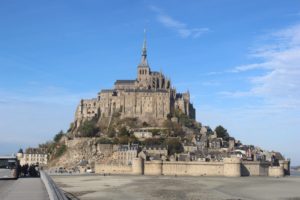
26,189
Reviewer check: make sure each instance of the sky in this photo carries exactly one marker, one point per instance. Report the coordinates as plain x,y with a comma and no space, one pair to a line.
240,61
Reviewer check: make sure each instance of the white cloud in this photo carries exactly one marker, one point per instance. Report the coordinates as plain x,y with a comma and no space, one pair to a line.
181,28
279,81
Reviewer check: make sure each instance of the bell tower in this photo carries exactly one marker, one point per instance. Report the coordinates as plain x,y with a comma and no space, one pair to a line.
143,68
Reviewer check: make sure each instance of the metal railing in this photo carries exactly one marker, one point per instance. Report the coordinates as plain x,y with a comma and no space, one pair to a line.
54,192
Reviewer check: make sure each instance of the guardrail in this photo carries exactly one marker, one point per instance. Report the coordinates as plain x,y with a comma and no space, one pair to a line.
54,192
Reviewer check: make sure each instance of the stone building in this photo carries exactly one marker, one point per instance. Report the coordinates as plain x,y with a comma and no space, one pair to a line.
150,97
142,135
126,153
33,156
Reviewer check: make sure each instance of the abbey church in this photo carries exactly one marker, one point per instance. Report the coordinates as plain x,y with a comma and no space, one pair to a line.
150,97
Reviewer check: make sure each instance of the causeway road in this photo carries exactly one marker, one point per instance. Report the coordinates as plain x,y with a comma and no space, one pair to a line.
23,189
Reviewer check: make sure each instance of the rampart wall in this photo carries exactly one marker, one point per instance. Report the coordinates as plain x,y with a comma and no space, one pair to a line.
193,168
230,167
113,169
254,168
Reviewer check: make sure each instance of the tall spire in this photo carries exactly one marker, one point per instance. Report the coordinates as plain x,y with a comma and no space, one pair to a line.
144,62
144,51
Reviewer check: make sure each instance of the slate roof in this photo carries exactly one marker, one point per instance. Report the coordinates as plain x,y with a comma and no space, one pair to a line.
125,82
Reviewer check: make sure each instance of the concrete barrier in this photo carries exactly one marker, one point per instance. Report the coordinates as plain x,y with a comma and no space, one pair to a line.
53,190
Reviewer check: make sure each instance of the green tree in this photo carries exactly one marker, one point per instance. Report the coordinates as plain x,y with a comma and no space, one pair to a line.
184,119
58,136
124,132
71,127
222,132
89,128
145,124
174,146
153,141
104,140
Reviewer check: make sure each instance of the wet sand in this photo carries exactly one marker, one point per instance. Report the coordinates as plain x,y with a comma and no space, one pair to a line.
92,187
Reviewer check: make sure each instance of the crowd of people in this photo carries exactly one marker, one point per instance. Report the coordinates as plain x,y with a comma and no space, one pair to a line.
29,170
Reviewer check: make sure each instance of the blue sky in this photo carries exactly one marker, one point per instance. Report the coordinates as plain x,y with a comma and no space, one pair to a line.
240,60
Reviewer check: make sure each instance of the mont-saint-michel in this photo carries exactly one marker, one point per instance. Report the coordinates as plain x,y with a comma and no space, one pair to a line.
150,98
202,105
144,127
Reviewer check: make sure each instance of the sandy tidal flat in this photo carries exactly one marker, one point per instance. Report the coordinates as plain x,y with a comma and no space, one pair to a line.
166,187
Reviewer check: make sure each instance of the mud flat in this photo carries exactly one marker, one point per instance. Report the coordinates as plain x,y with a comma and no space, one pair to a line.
165,187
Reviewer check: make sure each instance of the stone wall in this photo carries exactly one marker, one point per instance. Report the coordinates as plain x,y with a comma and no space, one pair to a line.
113,169
276,171
193,168
254,168
231,167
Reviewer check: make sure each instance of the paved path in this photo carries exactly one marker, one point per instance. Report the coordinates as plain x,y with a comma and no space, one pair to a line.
23,189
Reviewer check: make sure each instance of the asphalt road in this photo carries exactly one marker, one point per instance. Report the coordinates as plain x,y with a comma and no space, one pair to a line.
6,186
23,188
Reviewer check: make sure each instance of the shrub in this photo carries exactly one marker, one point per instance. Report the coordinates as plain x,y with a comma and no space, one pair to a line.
89,128
145,124
222,132
124,132
184,119
71,127
154,141
104,141
174,146
58,136
60,151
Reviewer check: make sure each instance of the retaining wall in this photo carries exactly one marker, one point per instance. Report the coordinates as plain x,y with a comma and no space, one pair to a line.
113,169
254,168
231,167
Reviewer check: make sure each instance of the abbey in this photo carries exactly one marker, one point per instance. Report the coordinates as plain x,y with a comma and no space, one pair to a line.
150,97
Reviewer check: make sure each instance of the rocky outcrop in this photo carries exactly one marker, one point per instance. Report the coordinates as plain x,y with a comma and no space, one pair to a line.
83,151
